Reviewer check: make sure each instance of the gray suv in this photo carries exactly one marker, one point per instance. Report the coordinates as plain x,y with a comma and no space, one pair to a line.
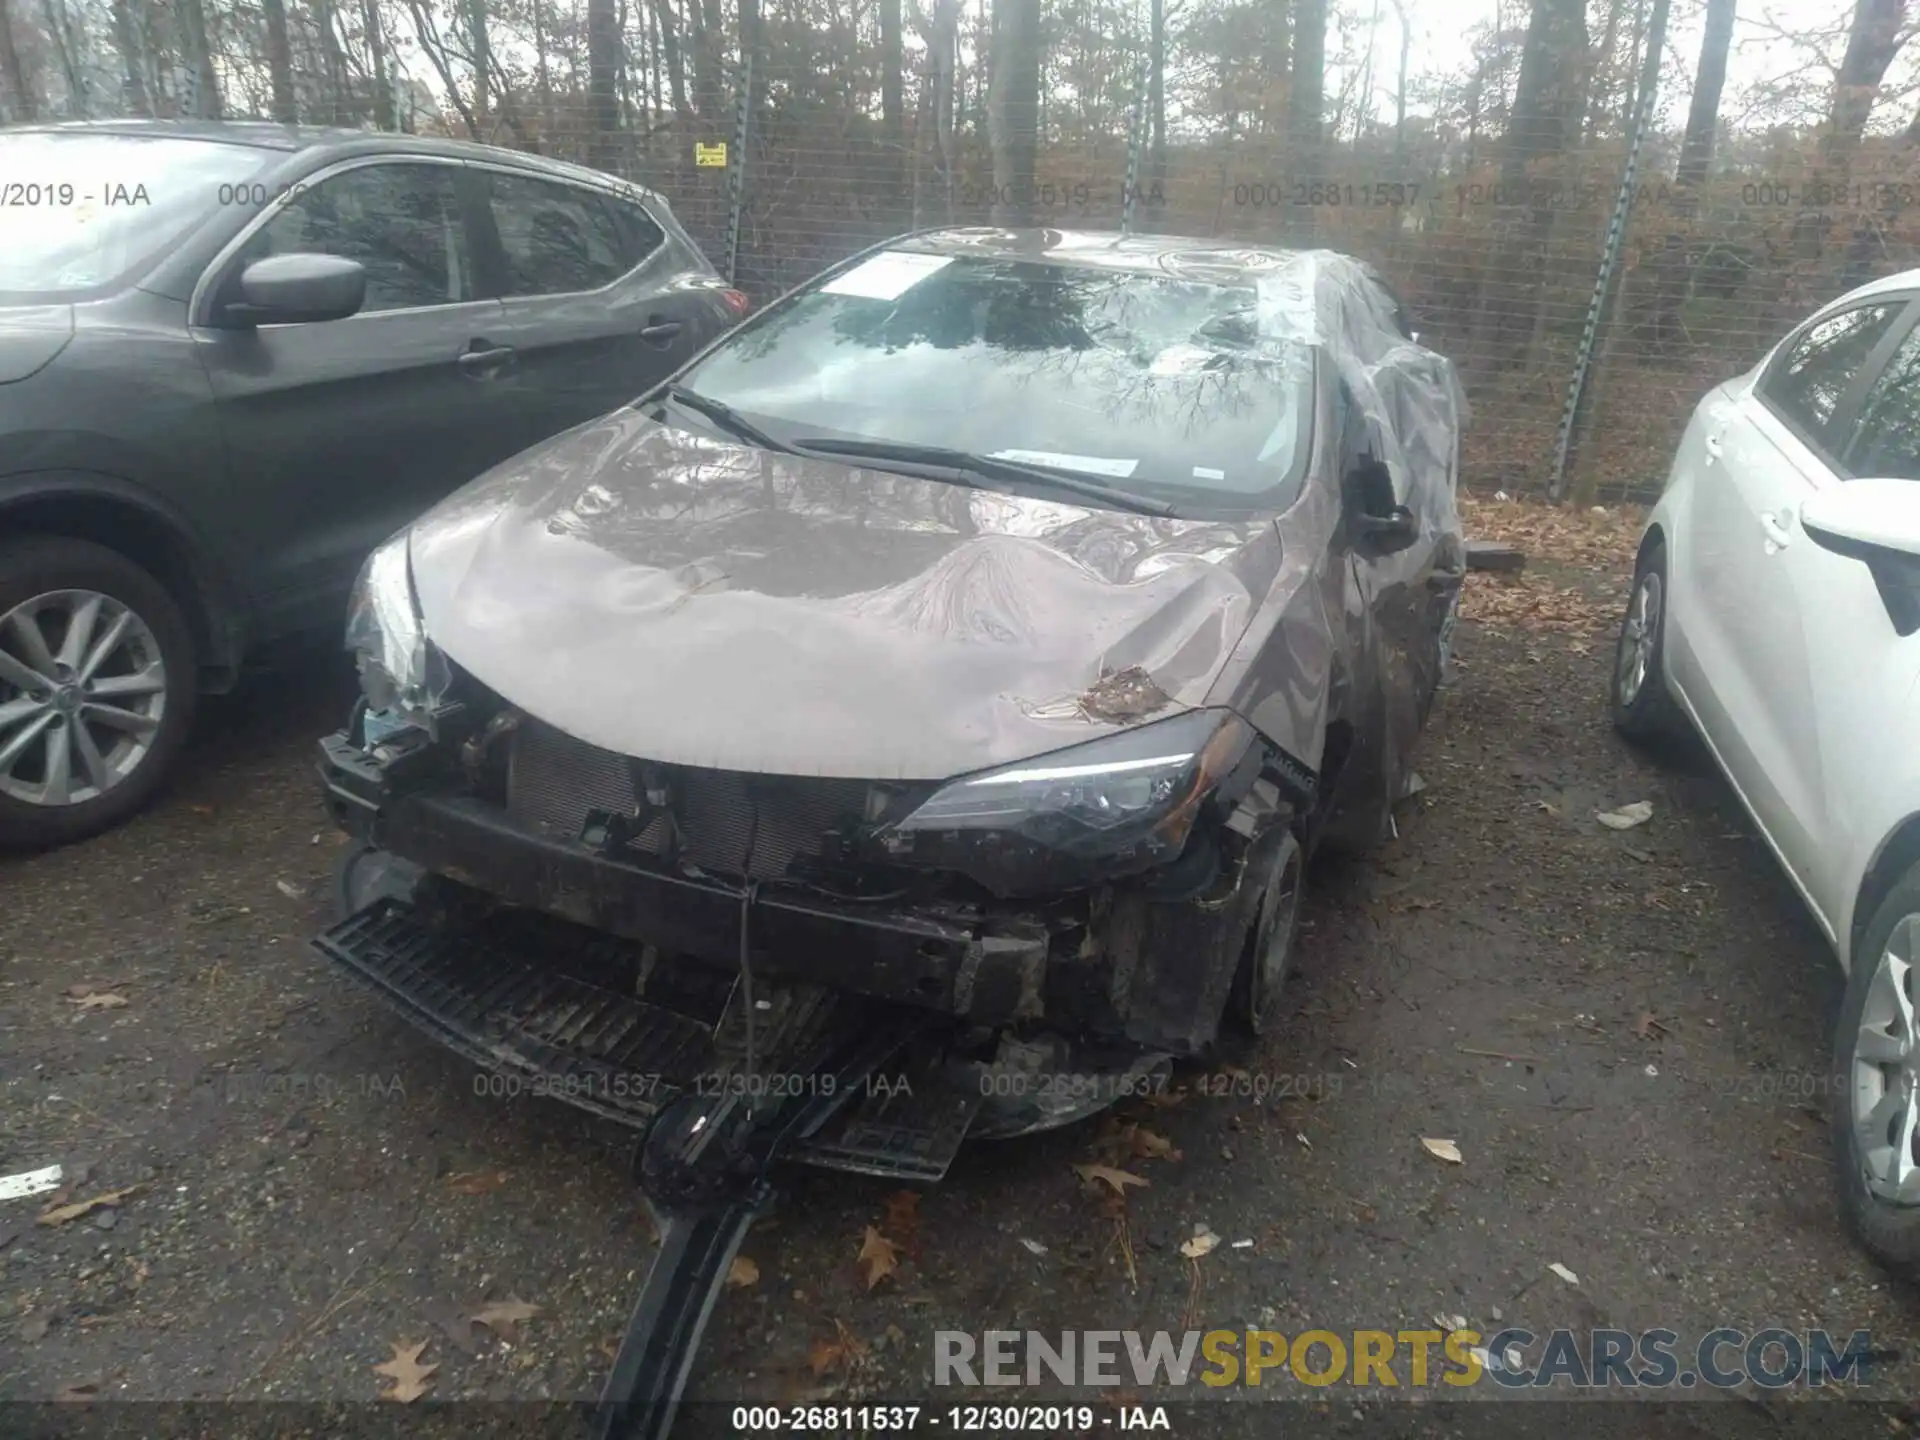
233,359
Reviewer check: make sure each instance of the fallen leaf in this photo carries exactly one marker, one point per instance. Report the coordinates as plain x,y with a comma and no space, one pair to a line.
1627,816
410,1378
1442,1150
743,1272
1118,1180
288,889
1148,1146
1565,1274
61,1214
503,1316
1647,1024
844,1348
879,1256
1200,1245
476,1182
83,1391
98,1000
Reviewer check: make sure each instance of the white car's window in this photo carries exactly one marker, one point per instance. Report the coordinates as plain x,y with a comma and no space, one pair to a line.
1886,442
1807,385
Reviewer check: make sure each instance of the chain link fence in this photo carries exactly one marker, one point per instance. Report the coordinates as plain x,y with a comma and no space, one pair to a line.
790,136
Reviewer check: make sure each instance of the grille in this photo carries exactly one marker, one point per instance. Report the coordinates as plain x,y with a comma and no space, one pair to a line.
554,780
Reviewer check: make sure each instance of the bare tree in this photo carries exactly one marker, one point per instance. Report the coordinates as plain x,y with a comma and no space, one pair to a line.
280,62
1703,114
126,39
208,102
603,63
377,51
1307,86
26,104
893,113
67,48
1013,108
1873,39
1552,66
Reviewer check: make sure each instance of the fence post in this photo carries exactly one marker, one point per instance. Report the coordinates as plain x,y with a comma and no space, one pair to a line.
737,167
1615,243
1136,128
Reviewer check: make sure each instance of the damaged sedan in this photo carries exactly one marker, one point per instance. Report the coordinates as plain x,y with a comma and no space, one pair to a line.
941,681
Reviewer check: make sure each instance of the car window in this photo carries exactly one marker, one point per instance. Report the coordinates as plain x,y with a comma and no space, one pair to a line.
1164,385
559,239
1886,440
401,221
1808,383
641,234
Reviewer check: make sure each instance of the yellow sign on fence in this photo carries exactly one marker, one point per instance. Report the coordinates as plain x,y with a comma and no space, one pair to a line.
706,156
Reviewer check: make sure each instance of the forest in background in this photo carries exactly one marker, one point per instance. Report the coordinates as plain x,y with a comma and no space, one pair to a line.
1483,189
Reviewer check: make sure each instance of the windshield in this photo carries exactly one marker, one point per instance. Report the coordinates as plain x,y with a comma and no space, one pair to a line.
1156,385
82,211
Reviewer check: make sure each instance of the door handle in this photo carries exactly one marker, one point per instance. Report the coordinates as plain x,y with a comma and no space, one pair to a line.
481,359
659,330
1713,447
1776,533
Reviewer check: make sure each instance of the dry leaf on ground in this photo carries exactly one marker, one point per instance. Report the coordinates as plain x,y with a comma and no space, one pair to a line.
80,1392
1565,1274
743,1272
61,1214
841,1351
879,1256
97,1000
1146,1145
476,1182
1202,1244
1443,1150
504,1316
1117,1180
1627,816
410,1378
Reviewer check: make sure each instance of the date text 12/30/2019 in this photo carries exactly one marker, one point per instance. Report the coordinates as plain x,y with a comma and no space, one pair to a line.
958,1419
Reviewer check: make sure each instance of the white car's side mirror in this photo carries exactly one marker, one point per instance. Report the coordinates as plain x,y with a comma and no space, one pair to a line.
1878,523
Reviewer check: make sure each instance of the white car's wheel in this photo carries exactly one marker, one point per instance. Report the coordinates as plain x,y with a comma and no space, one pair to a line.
1876,1083
1642,707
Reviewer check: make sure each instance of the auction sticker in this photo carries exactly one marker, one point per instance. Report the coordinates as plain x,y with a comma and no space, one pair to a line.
886,276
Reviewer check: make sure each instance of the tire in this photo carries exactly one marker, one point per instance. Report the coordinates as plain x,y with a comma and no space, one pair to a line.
1643,707
1888,1225
47,585
1267,958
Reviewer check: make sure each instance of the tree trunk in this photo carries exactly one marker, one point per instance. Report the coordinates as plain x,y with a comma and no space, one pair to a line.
706,67
25,103
208,104
1630,81
1703,115
1157,98
1551,63
544,71
436,54
603,64
946,98
382,85
64,46
671,56
1603,72
482,61
898,204
1013,108
1872,41
280,62
1400,95
1307,88
126,39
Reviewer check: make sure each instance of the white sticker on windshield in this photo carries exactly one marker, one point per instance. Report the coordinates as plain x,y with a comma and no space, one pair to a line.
1182,359
1203,472
1092,464
887,276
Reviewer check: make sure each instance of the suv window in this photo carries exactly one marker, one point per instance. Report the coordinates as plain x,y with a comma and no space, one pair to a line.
1807,384
1886,441
401,221
559,239
640,232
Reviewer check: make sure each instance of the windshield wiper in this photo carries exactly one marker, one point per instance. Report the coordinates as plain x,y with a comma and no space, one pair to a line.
985,467
726,417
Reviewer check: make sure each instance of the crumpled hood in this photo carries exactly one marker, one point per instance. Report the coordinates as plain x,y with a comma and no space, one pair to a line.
30,337
697,602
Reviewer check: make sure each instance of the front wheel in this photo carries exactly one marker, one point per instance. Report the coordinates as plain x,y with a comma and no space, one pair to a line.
98,680
1268,957
1643,709
1876,1084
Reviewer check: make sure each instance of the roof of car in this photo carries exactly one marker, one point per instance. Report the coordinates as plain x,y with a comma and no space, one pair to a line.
1107,249
266,135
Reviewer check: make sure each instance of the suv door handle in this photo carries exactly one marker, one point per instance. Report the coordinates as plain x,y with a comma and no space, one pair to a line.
1713,448
481,359
1776,533
659,330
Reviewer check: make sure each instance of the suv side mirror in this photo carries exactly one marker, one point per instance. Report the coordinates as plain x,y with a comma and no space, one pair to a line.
1878,523
297,289
1380,525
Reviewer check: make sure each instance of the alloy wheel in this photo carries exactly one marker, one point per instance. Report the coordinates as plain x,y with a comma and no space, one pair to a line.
1885,1074
1275,939
1639,637
83,690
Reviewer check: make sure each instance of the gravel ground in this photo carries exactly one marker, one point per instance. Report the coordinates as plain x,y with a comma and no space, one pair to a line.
1624,1033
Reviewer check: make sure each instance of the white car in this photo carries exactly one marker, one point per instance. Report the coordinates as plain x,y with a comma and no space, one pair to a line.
1775,606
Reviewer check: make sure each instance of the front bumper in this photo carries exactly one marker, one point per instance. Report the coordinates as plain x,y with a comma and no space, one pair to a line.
1127,968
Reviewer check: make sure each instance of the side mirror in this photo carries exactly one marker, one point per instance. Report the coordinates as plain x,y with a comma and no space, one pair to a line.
297,290
1876,522
1380,525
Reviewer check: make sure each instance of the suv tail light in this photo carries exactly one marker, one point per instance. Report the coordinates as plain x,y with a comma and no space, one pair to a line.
736,301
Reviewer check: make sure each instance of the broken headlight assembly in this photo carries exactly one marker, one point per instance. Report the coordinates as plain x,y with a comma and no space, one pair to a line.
1115,806
402,674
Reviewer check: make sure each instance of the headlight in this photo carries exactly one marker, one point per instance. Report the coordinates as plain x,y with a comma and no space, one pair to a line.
402,674
1114,806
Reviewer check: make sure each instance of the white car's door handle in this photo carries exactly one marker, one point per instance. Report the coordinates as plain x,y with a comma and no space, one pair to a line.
1713,448
1776,533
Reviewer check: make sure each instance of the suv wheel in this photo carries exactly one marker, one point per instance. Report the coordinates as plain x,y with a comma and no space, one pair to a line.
1642,707
1876,1083
97,689
1268,957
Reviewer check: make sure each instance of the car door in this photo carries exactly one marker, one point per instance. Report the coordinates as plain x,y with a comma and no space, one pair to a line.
340,432
1754,632
592,295
1861,669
